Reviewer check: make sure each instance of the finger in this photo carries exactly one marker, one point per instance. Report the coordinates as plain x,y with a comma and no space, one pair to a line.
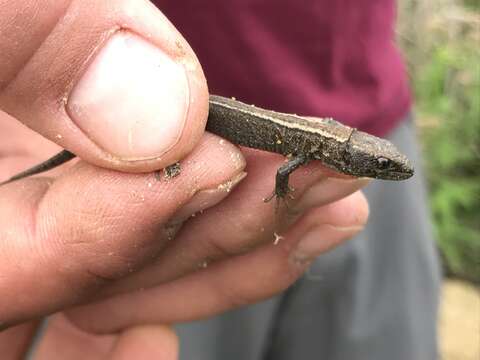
14,342
22,143
64,240
112,81
233,282
146,342
63,340
240,223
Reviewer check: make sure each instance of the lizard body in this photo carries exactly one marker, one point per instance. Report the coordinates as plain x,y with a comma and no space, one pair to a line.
301,139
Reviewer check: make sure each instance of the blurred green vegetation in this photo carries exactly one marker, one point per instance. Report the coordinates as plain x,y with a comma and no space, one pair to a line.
444,62
473,4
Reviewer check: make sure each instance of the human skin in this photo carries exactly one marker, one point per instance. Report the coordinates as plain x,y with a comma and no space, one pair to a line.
101,243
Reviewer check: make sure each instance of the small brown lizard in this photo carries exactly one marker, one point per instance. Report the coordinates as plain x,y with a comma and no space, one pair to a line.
301,139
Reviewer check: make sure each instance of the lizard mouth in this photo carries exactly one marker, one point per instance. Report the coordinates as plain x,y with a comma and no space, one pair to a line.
396,175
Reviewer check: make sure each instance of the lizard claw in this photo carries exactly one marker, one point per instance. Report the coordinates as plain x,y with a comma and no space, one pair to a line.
282,198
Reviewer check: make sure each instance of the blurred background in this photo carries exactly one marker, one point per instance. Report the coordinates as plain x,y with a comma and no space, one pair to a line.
441,42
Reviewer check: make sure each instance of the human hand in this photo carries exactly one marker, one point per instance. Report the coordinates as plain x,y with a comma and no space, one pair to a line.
122,244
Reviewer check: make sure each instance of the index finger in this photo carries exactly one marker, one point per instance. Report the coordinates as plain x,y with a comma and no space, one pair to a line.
62,240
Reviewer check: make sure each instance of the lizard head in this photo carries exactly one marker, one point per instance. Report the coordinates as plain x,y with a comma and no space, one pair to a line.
369,156
366,155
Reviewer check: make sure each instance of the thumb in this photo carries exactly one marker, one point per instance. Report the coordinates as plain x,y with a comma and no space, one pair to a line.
112,81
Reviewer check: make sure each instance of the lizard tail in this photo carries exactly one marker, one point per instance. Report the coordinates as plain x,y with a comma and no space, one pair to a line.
56,160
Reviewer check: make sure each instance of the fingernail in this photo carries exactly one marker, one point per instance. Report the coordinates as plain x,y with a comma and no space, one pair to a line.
328,190
133,99
205,199
321,239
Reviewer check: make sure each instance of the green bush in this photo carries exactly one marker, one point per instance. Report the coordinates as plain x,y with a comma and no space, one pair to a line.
448,99
474,4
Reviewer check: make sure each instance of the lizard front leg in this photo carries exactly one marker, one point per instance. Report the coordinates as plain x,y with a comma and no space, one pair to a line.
283,173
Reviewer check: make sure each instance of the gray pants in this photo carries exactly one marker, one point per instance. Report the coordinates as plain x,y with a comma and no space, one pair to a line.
374,297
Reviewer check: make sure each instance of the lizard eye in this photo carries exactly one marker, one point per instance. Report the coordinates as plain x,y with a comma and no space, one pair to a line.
383,163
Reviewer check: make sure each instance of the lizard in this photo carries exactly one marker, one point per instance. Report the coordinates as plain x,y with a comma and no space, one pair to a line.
301,139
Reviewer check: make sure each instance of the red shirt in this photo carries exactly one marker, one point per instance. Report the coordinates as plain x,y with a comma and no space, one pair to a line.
313,57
